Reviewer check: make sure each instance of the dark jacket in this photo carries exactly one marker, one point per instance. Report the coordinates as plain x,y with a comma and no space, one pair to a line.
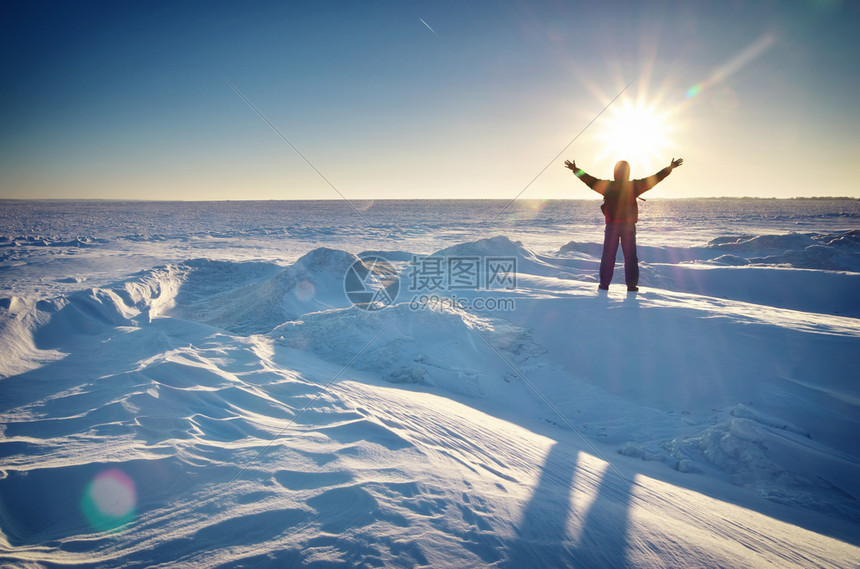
619,196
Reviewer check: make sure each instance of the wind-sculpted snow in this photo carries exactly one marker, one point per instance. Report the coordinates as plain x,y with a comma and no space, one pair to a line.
447,349
238,412
834,252
829,252
256,297
242,297
43,241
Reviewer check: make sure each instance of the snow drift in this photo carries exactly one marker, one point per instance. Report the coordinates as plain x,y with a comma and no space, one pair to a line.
211,413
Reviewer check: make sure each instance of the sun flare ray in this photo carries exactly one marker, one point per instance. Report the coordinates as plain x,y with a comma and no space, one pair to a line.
637,132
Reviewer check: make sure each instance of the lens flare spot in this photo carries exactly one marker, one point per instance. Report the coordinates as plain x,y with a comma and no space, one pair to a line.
109,501
305,290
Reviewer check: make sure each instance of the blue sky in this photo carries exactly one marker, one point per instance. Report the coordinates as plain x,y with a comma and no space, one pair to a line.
133,100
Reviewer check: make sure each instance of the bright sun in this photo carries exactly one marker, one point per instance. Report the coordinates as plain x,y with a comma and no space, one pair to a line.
636,133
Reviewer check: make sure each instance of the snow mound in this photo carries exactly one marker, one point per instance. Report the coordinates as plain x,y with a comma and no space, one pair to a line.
325,260
242,297
827,251
758,243
498,245
249,298
501,247
18,319
34,332
447,349
84,312
779,461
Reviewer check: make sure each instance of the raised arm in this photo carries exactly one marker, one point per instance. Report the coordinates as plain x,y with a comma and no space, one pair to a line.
595,184
645,184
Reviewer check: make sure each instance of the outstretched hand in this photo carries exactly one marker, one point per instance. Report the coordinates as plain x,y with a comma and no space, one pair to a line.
571,165
676,163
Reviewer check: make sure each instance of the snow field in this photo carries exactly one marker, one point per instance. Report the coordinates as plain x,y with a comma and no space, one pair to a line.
236,414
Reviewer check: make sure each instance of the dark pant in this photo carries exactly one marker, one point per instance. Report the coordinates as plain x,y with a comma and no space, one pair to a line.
626,234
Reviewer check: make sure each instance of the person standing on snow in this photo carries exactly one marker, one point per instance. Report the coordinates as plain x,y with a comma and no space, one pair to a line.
621,212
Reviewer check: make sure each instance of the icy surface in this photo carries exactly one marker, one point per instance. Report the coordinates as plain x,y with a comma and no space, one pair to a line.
188,385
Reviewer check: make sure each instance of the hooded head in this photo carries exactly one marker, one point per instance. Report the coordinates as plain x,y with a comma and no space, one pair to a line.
622,171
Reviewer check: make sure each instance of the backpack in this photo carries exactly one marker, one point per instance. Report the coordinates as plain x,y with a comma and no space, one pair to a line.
617,205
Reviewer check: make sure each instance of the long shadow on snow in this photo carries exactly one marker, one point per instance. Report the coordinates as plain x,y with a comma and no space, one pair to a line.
628,325
702,330
544,535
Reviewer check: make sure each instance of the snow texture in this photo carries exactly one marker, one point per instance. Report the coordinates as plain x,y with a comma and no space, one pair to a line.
164,404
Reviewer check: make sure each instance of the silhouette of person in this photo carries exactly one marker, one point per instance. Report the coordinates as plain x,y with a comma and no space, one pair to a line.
621,212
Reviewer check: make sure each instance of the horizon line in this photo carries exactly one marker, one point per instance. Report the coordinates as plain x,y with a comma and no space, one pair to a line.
389,199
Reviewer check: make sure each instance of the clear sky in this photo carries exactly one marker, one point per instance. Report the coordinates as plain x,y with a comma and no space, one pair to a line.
410,99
